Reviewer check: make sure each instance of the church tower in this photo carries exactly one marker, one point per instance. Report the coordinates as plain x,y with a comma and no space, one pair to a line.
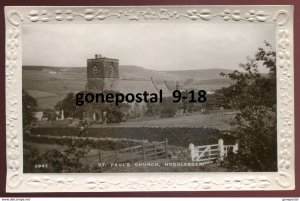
102,74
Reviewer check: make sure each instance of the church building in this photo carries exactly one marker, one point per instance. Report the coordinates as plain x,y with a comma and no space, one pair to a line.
103,75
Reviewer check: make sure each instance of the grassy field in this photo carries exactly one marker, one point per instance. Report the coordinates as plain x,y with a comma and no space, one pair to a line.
43,147
48,88
219,120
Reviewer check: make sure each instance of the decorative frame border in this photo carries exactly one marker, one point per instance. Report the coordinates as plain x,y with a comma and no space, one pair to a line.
284,179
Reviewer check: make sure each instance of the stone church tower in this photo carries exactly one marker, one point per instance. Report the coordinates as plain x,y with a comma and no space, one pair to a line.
102,74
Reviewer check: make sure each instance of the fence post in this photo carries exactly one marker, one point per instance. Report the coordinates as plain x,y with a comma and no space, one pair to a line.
191,147
221,149
236,147
100,159
166,144
144,152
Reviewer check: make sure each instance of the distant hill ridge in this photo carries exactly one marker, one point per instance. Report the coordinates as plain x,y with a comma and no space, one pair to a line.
131,71
53,68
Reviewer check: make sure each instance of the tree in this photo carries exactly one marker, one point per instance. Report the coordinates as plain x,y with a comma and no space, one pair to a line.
253,96
167,107
188,81
114,115
152,109
51,115
68,104
29,105
110,111
69,159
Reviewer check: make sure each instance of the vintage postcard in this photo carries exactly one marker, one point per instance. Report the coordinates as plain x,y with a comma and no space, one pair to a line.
149,98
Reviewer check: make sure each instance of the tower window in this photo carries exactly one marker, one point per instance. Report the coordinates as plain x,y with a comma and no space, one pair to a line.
111,70
95,70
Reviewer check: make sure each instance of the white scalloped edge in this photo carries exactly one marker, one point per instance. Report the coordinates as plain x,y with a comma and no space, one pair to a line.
284,179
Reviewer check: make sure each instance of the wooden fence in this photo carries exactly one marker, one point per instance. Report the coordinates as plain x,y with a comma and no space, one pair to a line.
210,153
143,152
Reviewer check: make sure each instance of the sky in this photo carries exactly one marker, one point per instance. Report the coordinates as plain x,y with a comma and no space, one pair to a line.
156,46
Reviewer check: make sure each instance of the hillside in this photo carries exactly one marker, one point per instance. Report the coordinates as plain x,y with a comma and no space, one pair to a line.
50,84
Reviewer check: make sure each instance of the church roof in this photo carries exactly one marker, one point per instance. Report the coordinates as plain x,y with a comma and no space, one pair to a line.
160,85
139,86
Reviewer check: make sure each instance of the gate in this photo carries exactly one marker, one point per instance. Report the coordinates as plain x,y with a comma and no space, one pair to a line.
210,153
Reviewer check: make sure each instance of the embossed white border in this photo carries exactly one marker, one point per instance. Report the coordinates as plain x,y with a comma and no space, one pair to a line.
284,179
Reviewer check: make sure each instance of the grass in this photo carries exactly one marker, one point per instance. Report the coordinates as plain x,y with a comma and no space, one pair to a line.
219,120
40,94
43,147
48,89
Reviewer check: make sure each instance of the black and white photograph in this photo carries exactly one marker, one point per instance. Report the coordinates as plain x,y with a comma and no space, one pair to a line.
193,91
232,127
